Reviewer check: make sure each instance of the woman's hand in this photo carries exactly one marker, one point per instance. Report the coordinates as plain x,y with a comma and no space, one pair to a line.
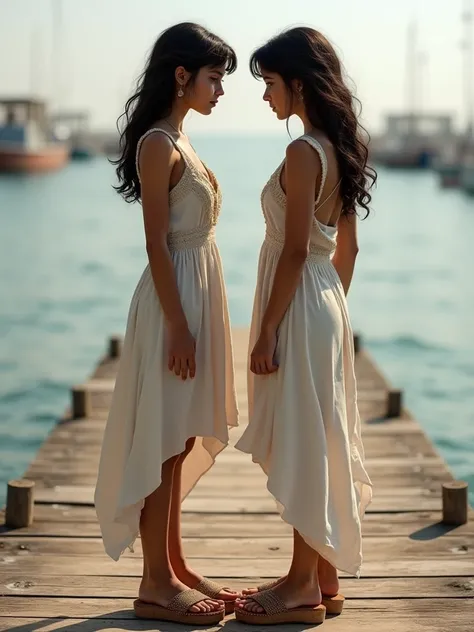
181,352
262,357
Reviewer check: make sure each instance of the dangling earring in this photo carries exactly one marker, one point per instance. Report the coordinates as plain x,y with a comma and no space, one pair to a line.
180,92
300,94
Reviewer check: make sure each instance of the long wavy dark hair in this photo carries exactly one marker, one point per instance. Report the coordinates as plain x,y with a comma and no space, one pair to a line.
304,54
188,45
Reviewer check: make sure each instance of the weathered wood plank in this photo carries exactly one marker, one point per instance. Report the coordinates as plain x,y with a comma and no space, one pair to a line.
378,467
363,620
375,548
428,566
80,521
415,448
88,431
459,611
262,504
117,587
86,450
425,619
254,480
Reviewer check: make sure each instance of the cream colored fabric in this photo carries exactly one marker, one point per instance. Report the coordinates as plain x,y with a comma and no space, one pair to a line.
304,425
154,412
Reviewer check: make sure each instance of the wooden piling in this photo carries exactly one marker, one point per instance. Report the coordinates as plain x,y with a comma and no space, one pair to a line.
357,343
81,402
115,346
394,403
455,502
20,503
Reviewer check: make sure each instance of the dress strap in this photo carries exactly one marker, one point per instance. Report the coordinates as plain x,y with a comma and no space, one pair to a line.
316,145
328,197
154,130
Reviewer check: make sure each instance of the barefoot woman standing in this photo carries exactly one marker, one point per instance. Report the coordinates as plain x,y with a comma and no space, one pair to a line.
304,426
174,396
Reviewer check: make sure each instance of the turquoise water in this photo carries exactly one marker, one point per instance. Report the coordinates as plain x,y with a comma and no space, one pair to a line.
71,253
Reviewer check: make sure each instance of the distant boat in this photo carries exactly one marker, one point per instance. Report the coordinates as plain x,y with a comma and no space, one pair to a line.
26,144
412,141
454,166
81,153
449,165
467,175
73,127
449,174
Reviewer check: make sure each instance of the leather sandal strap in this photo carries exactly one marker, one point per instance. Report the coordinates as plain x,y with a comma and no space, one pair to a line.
210,588
270,602
267,585
184,600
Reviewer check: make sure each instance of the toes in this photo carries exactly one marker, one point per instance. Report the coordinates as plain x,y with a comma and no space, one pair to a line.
249,605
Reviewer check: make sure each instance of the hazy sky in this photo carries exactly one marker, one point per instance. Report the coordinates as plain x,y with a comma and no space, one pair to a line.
103,45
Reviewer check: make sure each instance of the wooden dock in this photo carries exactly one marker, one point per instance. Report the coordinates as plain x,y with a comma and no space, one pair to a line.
418,572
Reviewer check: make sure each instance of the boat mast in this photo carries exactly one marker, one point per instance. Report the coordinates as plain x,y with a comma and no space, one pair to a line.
57,18
412,76
467,46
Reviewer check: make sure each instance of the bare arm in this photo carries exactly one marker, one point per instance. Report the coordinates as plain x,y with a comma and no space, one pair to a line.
302,169
347,248
156,161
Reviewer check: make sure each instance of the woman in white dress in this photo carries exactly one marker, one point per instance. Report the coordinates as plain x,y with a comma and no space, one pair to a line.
174,396
304,426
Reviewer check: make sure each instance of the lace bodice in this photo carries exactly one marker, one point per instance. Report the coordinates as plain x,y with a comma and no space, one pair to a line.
273,200
195,201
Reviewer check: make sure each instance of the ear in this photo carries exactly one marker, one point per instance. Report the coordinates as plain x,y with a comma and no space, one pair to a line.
297,86
182,76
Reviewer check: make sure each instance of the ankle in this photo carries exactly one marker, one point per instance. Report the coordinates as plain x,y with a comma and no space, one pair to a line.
327,571
179,564
303,577
159,577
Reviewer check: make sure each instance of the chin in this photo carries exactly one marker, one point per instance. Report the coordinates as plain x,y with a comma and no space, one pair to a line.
204,110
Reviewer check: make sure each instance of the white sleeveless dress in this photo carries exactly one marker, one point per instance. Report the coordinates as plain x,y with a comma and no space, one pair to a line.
153,412
304,425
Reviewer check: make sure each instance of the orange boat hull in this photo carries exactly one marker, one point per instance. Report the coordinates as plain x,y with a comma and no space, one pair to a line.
48,158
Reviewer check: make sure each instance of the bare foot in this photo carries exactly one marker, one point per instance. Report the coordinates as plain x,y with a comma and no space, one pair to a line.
291,592
328,580
327,575
191,579
251,591
161,594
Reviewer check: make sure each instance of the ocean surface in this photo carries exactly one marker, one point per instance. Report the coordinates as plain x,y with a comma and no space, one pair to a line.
71,253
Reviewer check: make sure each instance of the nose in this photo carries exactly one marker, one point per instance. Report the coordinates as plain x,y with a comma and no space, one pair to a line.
266,96
220,91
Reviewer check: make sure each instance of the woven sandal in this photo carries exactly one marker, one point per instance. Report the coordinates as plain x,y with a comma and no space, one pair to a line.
177,610
334,605
213,590
276,611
